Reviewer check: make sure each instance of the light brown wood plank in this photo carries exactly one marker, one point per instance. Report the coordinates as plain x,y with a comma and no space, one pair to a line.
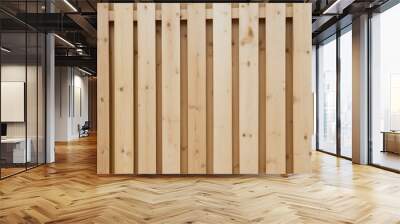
146,88
123,89
171,88
222,88
196,88
275,81
302,93
248,87
103,95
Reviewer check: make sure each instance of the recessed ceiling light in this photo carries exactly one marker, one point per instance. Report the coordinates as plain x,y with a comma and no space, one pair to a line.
5,50
337,7
70,5
84,71
64,40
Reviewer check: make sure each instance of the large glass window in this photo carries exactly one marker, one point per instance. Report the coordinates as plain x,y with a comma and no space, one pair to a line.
334,62
327,96
346,93
22,77
15,152
385,89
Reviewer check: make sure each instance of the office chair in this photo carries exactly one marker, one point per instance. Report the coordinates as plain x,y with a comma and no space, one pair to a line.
84,130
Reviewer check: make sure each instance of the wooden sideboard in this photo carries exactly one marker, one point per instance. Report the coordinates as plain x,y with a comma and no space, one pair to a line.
391,141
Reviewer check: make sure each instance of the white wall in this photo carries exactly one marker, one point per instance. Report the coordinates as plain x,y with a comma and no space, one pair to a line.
62,82
34,125
71,102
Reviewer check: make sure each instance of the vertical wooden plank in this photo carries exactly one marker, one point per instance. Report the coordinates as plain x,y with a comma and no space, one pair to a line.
302,93
103,96
123,89
171,88
196,88
248,87
146,88
184,99
275,80
222,88
289,96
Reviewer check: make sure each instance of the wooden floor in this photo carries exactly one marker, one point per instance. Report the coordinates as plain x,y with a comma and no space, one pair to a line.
386,159
69,191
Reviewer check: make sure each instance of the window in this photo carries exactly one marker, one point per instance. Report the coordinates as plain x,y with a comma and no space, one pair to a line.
22,77
346,93
327,96
385,89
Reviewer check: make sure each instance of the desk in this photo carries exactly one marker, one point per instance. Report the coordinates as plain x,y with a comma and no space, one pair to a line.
16,148
391,141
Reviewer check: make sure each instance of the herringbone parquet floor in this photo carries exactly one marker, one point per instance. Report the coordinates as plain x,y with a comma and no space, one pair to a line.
69,191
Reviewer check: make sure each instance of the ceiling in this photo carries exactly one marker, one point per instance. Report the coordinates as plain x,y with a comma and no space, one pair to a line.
75,21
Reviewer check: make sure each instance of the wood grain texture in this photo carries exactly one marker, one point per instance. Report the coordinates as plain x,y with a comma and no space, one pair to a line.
222,88
275,85
248,87
213,101
146,88
123,89
171,89
103,96
302,95
196,88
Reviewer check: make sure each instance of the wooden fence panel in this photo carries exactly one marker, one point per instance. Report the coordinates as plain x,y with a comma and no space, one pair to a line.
275,84
302,95
171,89
210,89
222,88
248,87
103,96
196,88
146,88
123,89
